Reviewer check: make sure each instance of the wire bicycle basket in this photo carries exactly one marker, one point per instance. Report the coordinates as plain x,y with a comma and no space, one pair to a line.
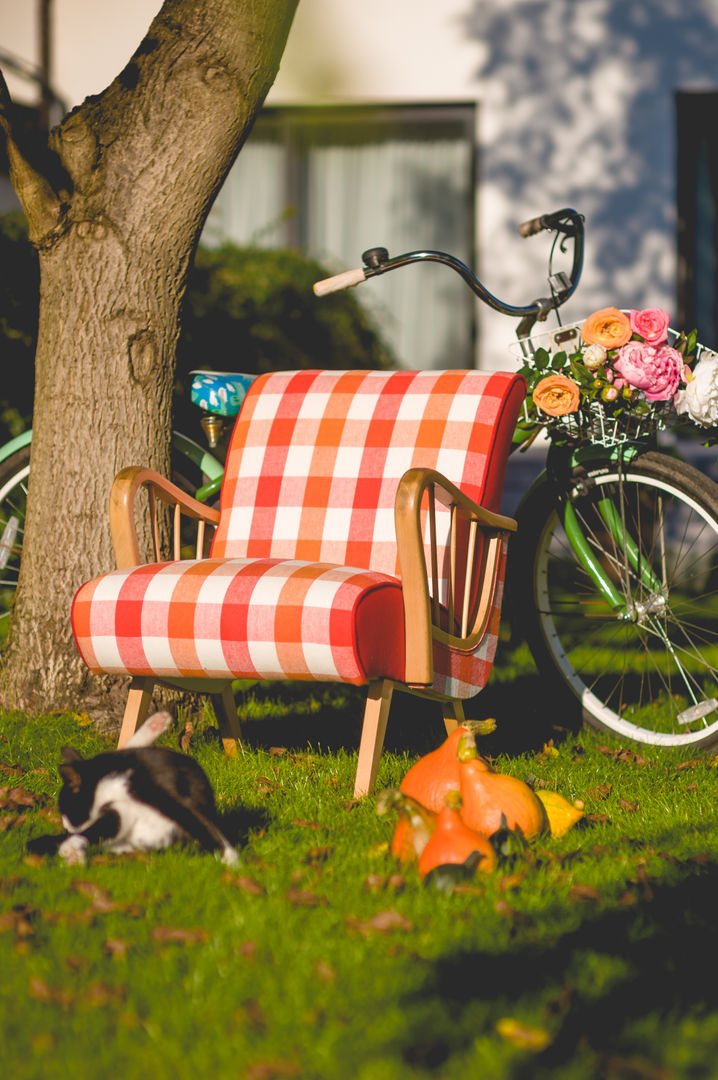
604,423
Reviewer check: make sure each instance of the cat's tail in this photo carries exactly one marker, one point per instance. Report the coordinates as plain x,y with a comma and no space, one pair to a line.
150,731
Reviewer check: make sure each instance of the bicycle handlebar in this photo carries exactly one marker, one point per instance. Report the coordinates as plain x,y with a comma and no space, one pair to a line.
566,222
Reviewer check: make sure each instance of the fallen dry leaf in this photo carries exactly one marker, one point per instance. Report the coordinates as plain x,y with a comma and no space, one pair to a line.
186,734
584,893
383,922
318,855
302,824
325,971
601,791
179,935
268,1070
34,860
265,785
49,995
374,882
304,898
522,1035
100,897
628,806
17,797
18,919
10,821
245,883
116,947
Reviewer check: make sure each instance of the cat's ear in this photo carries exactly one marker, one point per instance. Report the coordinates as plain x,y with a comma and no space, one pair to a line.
71,777
69,753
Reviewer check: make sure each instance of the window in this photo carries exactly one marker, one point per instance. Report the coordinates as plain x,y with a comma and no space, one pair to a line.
335,181
697,194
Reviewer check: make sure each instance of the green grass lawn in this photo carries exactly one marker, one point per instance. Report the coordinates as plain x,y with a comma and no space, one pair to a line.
589,956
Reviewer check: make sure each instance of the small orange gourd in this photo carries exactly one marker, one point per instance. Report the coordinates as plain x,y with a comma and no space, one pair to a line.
414,827
437,773
492,800
562,815
452,841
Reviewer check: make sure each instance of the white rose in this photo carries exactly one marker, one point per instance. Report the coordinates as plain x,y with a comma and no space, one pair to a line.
700,397
594,357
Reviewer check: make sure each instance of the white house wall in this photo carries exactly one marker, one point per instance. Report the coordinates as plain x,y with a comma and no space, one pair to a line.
576,108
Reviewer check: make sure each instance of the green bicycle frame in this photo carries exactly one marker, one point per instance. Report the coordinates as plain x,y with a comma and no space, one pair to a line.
206,462
615,525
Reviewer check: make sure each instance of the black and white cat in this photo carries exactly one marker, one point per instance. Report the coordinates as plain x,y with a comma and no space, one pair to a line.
139,798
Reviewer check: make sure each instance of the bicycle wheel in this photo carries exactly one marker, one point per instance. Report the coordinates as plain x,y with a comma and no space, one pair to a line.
14,474
13,501
648,671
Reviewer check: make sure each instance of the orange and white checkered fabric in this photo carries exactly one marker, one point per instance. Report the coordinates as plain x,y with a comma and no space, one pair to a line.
252,618
303,579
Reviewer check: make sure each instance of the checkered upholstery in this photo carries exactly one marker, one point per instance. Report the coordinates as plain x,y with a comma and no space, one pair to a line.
303,580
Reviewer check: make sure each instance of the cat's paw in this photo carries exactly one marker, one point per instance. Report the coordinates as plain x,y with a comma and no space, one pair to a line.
73,850
150,731
229,856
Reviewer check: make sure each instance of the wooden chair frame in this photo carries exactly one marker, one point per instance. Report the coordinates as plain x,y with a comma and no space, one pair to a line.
468,607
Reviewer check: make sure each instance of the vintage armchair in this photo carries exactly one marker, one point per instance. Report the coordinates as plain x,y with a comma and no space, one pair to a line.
357,541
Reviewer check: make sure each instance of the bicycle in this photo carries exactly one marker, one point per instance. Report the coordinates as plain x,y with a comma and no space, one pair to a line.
194,468
613,573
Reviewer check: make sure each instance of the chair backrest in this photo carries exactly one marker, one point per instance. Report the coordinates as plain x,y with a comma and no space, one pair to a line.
316,457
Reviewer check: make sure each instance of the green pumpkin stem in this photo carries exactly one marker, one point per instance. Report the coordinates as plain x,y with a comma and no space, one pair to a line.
466,750
480,727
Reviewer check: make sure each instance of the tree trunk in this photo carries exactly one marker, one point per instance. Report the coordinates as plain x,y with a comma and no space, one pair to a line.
116,209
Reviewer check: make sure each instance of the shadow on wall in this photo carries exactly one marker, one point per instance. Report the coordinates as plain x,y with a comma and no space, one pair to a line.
585,92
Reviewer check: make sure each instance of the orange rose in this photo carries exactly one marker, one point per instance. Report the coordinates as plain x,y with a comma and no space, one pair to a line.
556,395
608,327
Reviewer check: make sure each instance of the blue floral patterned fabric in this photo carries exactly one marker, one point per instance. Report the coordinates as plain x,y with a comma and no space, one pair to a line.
219,392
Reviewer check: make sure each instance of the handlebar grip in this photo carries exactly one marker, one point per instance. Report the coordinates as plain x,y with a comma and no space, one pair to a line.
339,281
530,228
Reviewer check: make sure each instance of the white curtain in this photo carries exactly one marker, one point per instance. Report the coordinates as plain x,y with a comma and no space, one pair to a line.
251,206
404,195
400,193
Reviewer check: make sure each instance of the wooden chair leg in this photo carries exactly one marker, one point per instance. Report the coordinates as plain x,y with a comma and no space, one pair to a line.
139,699
225,710
453,713
376,715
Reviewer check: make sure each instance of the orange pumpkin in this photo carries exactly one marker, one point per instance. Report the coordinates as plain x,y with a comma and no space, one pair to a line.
437,773
492,800
414,827
452,841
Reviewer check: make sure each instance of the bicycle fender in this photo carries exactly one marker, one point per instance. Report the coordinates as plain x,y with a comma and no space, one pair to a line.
18,443
198,454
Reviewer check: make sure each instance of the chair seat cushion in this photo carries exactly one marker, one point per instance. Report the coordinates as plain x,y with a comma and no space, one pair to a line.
242,618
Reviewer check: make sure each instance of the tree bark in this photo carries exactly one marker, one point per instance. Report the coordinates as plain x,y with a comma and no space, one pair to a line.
116,204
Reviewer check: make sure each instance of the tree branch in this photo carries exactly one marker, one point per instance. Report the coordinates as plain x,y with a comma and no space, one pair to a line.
42,205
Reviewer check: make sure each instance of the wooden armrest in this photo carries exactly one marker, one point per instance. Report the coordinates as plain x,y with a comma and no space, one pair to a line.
123,495
421,604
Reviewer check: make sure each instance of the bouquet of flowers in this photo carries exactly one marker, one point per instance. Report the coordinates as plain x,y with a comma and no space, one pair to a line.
621,366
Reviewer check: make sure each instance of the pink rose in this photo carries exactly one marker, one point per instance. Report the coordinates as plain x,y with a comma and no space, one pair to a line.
650,324
655,369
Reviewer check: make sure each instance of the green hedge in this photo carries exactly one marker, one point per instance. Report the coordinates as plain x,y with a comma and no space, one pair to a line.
246,309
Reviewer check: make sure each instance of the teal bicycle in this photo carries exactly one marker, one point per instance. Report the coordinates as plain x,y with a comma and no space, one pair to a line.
613,574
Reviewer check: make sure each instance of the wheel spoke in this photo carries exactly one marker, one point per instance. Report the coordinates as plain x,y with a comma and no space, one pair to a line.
638,672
